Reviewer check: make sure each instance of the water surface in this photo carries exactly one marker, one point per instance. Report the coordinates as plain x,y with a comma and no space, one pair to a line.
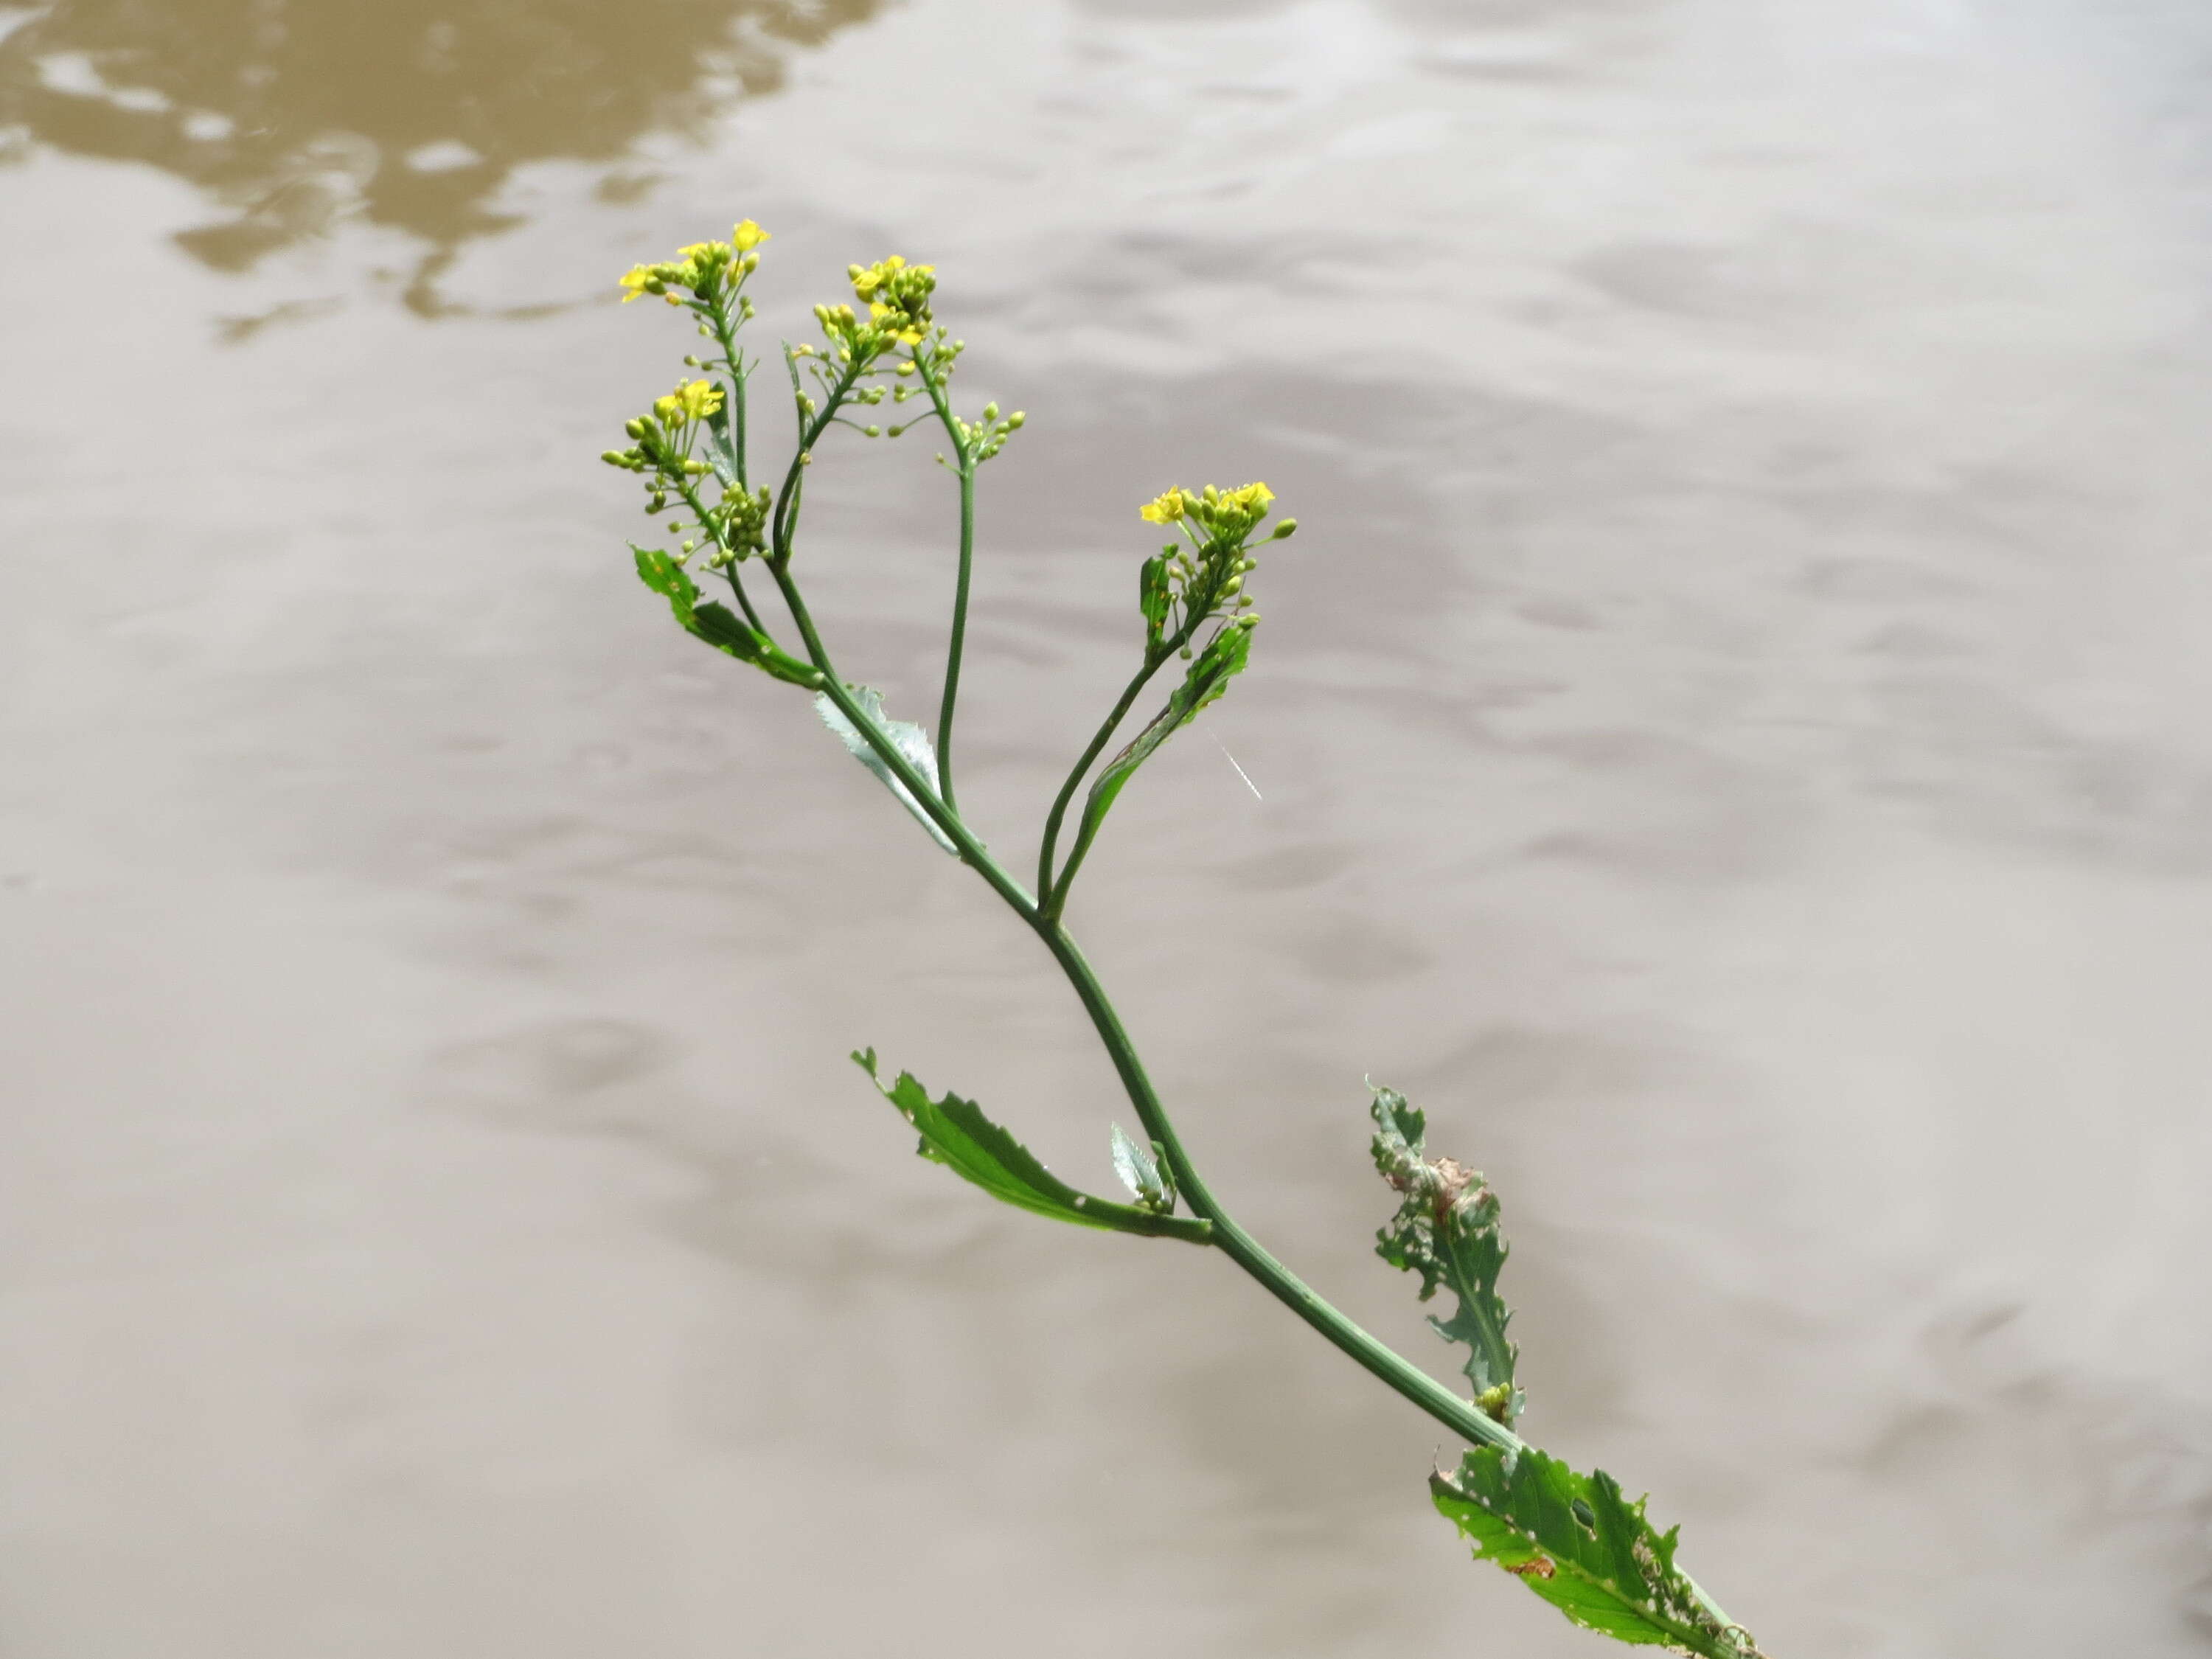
1728,739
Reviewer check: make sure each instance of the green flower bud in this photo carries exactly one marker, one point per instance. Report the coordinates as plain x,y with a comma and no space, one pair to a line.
990,411
1285,530
1014,421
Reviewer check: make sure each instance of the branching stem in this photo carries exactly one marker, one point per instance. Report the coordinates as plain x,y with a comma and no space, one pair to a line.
1099,739
1461,1416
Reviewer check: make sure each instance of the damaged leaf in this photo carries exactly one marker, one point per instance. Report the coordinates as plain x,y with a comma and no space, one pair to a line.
1574,1541
1447,1231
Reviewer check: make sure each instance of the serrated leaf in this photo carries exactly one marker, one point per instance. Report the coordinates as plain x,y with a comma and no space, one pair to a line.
1446,1230
955,1133
1143,1175
909,740
1574,1541
1221,661
717,624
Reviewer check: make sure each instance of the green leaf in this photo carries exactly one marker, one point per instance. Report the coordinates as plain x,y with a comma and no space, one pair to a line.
1221,661
955,1133
717,624
1144,1173
1447,1231
1576,1541
721,451
909,740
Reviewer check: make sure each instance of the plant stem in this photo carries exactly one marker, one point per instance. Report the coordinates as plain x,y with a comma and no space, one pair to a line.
925,365
1098,742
784,520
959,638
972,851
1461,1416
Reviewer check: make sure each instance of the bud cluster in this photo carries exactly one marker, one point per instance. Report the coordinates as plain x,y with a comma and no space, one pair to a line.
661,444
986,437
896,294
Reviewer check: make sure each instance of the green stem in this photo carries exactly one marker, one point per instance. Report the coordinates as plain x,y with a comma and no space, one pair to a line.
972,852
959,638
1461,1416
1097,746
785,518
925,365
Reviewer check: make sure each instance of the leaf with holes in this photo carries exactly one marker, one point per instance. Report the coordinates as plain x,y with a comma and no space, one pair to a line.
1576,1541
955,1133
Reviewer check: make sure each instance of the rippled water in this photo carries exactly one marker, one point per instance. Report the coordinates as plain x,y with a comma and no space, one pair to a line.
1728,738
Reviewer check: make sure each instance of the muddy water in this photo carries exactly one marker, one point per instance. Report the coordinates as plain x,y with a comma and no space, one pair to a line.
1727,740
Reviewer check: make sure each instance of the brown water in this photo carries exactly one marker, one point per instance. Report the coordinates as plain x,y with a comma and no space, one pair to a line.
1730,740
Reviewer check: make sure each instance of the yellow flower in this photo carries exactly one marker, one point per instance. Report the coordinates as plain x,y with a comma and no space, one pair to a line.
1252,497
747,236
699,399
633,283
693,400
1164,510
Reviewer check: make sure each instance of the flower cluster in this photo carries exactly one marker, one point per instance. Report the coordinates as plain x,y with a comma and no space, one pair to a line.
1221,513
710,272
1204,575
897,295
661,445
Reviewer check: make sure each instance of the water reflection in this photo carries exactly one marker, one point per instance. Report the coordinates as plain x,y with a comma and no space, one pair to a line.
412,115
